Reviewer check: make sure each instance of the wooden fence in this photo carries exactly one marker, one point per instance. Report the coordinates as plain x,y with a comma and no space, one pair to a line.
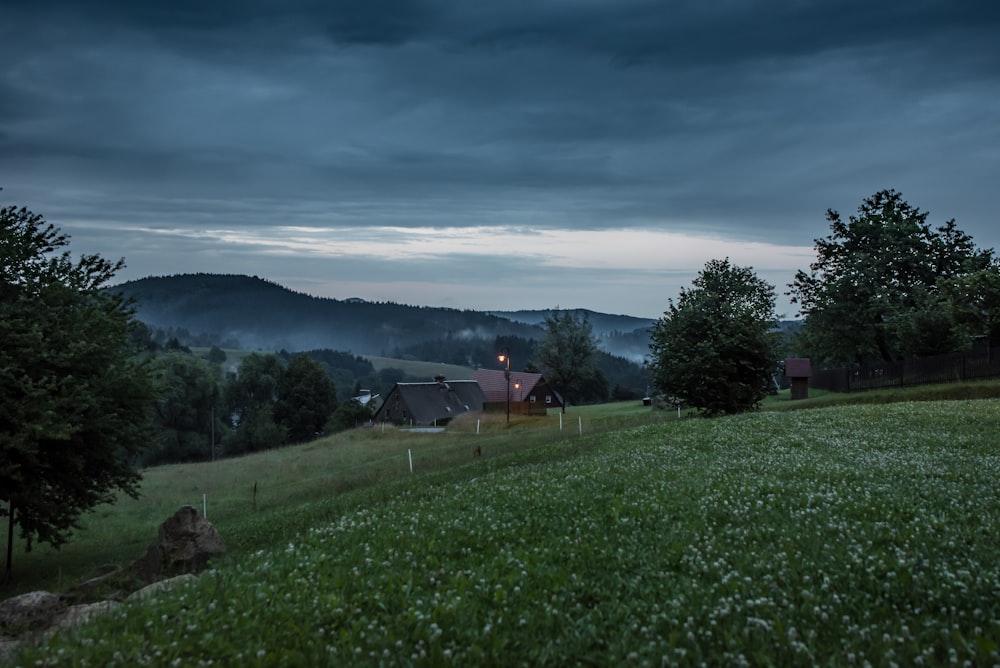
971,365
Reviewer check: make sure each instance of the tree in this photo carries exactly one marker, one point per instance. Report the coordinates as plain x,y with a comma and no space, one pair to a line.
349,414
251,396
716,348
216,355
189,411
306,399
972,301
875,272
75,401
565,352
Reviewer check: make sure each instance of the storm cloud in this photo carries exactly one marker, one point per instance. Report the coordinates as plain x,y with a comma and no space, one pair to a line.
448,153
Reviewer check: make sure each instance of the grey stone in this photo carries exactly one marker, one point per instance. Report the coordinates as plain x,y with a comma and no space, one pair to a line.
28,612
8,648
187,541
148,567
75,615
162,585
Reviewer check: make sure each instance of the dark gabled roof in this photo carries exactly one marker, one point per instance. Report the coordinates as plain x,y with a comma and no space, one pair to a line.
437,401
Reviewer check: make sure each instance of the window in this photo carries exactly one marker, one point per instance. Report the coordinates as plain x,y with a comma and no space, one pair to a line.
531,398
548,398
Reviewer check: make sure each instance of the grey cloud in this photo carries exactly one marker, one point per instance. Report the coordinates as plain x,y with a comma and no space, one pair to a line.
742,119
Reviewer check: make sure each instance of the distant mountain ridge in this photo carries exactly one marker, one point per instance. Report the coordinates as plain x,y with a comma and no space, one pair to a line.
261,314
602,323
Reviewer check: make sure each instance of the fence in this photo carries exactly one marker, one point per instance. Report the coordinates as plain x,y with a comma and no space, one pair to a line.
971,365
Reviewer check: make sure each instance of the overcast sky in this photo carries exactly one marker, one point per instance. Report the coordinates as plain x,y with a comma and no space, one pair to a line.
492,154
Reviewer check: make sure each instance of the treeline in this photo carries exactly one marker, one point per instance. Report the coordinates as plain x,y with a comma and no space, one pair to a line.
886,288
269,400
614,377
204,413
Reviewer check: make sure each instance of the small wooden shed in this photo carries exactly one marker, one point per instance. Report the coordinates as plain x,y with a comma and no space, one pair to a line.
798,370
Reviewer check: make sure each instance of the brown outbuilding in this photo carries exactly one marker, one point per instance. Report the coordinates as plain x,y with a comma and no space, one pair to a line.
798,370
530,393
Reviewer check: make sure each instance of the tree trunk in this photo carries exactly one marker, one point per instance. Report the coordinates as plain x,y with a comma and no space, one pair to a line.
8,573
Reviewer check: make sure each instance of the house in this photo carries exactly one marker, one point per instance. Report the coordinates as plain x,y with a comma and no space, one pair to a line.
366,398
530,393
430,403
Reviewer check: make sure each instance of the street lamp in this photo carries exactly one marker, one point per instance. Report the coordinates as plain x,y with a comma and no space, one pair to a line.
504,356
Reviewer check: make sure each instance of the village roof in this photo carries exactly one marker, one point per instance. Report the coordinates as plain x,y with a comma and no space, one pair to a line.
494,383
438,400
796,367
365,397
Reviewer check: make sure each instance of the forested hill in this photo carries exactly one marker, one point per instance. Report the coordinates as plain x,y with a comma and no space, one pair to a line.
602,323
622,335
259,314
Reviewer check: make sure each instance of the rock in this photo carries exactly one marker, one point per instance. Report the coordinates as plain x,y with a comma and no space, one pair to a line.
96,585
148,566
151,589
75,615
187,541
28,612
8,648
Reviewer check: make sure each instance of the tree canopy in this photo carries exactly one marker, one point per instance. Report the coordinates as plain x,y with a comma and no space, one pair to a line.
874,292
972,301
75,402
715,349
307,399
189,413
565,353
251,397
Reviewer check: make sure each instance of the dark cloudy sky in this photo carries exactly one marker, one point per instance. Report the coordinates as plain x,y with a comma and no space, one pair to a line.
492,154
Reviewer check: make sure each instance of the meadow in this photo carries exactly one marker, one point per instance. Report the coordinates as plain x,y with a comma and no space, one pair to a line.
848,535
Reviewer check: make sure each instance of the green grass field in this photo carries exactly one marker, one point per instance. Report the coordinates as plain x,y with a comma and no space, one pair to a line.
414,368
844,535
426,370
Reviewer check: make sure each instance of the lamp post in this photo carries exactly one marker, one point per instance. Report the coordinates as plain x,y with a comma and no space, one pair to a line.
504,356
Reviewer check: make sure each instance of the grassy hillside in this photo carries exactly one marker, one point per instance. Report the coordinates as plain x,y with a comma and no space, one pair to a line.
426,370
846,535
417,369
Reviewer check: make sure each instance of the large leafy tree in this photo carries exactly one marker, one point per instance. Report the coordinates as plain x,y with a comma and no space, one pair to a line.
565,353
189,413
875,283
306,400
716,348
972,301
75,402
251,396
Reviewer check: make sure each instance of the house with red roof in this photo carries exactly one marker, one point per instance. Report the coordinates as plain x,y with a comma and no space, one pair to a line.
530,393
